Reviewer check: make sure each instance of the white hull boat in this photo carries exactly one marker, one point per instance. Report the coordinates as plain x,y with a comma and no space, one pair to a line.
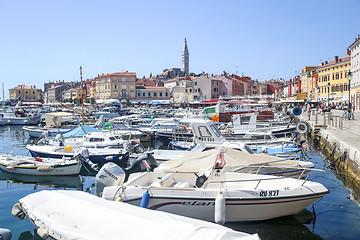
210,188
38,132
39,166
55,213
13,116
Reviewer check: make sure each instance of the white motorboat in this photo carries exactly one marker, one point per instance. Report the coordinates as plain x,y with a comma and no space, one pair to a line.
96,155
65,215
15,116
211,189
39,166
5,234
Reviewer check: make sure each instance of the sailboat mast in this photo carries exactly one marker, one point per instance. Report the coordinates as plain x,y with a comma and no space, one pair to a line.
82,97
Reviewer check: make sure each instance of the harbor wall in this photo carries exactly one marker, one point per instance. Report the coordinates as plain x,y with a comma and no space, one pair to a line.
342,155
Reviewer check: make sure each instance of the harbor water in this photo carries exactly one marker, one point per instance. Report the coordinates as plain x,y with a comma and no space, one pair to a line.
335,216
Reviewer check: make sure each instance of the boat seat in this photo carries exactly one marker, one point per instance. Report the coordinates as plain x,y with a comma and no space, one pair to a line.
180,185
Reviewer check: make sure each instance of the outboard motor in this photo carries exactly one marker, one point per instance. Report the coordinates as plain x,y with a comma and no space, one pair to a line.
143,163
82,154
109,175
112,174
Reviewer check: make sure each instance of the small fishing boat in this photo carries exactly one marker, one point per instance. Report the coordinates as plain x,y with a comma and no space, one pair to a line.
65,215
39,166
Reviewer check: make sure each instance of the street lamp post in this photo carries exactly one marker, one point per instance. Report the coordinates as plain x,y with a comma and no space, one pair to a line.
349,75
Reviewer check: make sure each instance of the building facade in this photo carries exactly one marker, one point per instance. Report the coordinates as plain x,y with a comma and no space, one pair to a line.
26,93
184,92
354,49
333,82
115,86
149,93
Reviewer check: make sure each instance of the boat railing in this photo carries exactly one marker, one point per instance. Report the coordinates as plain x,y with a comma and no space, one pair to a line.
302,176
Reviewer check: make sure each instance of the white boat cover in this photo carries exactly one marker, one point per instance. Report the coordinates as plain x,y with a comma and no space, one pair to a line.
79,215
233,159
57,117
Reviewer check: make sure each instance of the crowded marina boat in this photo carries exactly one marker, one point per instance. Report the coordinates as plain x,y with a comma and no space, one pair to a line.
191,165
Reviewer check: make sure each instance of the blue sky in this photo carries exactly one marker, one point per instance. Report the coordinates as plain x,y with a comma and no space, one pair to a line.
48,40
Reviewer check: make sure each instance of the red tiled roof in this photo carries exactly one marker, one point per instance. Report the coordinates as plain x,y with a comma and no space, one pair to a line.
22,86
153,87
344,59
117,74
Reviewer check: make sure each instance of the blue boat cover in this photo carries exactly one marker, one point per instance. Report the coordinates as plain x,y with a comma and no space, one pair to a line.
80,131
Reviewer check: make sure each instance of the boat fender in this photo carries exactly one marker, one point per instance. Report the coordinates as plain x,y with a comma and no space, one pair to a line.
297,111
43,232
302,127
17,211
145,200
10,167
44,168
5,234
220,209
68,148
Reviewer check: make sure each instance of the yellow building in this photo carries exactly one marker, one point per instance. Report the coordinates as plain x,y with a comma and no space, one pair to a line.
25,93
115,86
333,82
307,84
73,93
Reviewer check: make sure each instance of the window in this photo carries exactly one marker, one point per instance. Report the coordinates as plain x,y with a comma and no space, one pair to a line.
143,94
204,131
115,86
132,79
166,94
26,92
195,83
33,92
160,94
154,94
215,129
138,94
123,86
149,94
124,79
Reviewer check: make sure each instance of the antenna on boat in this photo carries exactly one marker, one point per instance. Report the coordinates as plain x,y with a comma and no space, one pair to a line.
3,93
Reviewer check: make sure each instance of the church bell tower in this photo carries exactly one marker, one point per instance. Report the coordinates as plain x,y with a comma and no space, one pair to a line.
185,59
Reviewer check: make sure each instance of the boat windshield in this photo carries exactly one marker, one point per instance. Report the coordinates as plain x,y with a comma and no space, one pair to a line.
216,130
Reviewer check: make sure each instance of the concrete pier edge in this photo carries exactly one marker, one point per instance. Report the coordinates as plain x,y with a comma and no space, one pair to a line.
340,153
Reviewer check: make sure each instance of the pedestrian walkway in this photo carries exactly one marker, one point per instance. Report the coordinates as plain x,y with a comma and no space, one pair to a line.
341,137
350,132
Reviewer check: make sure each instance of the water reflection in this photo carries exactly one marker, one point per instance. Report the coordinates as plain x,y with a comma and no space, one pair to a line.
55,182
281,228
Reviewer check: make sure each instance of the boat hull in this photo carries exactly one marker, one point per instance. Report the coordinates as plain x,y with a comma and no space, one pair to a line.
57,170
237,210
